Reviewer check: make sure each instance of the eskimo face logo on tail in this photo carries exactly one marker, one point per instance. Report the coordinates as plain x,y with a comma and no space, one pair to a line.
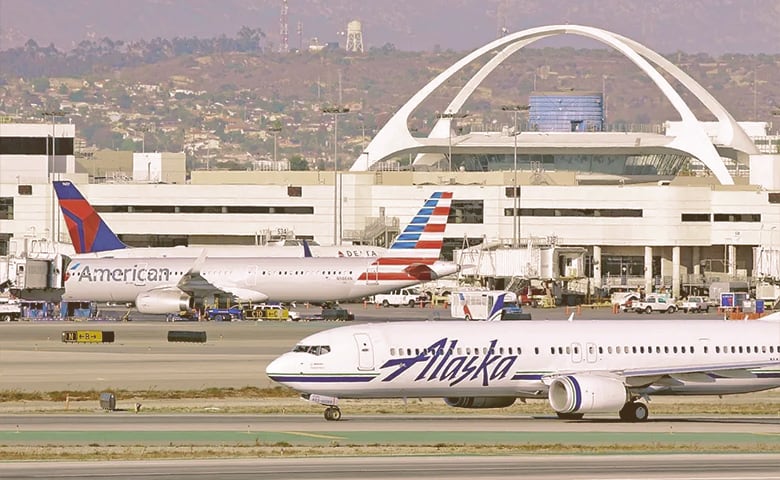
442,363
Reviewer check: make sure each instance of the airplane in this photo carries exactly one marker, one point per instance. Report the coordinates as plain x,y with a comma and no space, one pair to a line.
90,234
580,367
160,285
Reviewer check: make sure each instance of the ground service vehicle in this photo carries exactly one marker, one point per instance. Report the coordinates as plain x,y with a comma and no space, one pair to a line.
695,304
655,304
484,305
10,309
398,297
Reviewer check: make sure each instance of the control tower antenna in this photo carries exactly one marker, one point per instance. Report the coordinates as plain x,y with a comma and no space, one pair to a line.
355,36
284,46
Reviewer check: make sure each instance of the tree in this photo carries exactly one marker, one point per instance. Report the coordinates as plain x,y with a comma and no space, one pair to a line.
298,163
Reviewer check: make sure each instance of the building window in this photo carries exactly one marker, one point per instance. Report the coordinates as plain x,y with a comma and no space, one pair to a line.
6,208
737,217
695,217
466,211
577,212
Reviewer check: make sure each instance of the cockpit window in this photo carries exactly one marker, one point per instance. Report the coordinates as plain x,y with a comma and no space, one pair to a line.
313,349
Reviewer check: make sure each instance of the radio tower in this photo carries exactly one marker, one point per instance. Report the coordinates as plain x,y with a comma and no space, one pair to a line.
284,46
300,36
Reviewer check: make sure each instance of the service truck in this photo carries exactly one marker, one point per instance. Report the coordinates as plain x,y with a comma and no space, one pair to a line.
10,309
401,296
485,305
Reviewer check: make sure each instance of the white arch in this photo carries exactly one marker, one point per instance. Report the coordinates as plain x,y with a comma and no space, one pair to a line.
395,135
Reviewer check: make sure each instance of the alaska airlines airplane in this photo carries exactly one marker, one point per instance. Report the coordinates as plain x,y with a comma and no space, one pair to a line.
92,236
581,367
162,285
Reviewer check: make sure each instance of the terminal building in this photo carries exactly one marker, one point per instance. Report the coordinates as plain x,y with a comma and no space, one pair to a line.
673,210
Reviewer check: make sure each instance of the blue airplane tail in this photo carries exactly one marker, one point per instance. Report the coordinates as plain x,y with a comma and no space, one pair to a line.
88,232
498,309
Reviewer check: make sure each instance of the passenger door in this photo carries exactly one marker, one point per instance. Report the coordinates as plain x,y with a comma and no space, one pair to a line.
365,351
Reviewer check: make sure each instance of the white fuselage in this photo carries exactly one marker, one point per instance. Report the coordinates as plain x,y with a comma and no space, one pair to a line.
314,279
517,359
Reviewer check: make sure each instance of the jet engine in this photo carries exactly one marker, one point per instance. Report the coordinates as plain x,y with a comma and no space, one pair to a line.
587,394
479,402
163,301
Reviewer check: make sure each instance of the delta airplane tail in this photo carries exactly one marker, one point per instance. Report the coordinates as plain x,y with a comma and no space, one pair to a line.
88,232
415,252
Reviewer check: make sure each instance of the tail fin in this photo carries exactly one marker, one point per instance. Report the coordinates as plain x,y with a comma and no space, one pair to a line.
497,310
418,246
88,232
306,249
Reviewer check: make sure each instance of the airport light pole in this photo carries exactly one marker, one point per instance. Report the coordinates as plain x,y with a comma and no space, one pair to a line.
450,116
515,194
53,114
335,111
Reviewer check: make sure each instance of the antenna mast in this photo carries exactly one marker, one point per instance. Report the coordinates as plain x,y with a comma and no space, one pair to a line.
284,46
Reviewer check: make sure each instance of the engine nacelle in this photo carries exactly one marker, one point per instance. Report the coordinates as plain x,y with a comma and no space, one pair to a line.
163,301
479,402
587,394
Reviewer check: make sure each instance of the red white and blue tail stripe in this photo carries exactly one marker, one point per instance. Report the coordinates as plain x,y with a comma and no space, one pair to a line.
419,245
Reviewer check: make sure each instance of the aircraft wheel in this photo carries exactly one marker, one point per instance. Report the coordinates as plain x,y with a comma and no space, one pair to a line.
634,412
385,303
570,416
332,414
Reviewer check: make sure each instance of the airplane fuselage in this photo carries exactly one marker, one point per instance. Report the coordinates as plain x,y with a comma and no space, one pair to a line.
314,279
517,359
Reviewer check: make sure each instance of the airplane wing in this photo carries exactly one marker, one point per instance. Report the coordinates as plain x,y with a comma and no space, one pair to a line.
193,281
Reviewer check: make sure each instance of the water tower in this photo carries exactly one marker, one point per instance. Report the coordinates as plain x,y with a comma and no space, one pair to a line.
354,36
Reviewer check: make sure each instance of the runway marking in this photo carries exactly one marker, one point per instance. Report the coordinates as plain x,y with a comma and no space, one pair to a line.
316,435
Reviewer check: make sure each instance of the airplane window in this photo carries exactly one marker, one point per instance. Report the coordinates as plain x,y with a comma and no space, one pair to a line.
392,352
657,349
666,349
642,349
576,350
717,349
733,349
552,350
536,350
500,350
674,349
468,350
590,349
416,351
519,351
771,349
691,349
409,351
625,349
485,350
682,349
763,349
705,349
609,350
740,349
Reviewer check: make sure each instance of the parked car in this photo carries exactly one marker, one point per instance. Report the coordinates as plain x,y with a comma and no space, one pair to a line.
695,304
655,304
401,296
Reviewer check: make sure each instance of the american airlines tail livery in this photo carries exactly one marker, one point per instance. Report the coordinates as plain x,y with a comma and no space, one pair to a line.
163,285
91,236
580,367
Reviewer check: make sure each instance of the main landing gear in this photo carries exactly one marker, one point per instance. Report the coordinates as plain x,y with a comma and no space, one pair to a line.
332,414
634,412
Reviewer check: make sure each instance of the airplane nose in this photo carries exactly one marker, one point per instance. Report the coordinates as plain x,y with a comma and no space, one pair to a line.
276,369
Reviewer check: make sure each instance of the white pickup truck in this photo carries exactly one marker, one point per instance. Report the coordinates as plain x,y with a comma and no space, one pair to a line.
10,310
402,296
654,303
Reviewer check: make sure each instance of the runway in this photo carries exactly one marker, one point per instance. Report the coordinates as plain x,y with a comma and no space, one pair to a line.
636,467
33,358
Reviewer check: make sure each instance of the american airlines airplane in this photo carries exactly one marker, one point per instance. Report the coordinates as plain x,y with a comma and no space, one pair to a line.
91,235
581,367
161,285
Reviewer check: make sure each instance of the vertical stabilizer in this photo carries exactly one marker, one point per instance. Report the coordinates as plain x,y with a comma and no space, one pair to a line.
88,232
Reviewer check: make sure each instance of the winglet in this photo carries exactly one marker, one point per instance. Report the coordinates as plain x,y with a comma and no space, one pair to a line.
571,317
88,232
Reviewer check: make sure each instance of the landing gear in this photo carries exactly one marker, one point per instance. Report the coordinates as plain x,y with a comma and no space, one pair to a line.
570,416
634,412
332,414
